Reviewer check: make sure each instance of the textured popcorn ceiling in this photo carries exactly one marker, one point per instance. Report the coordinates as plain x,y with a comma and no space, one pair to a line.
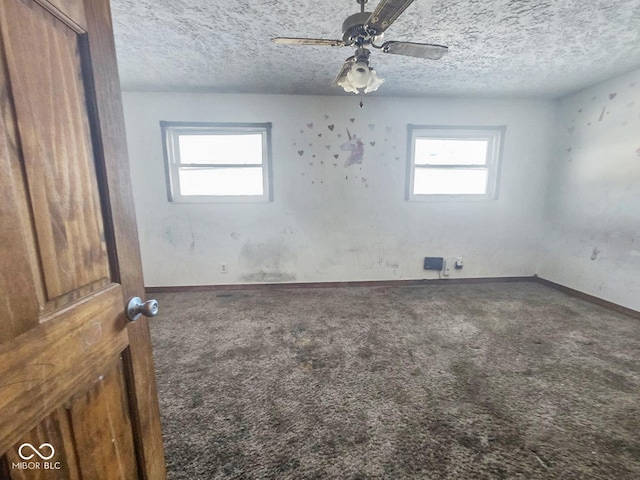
497,47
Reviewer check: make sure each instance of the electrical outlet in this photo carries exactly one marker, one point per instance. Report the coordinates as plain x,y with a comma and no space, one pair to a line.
224,268
459,263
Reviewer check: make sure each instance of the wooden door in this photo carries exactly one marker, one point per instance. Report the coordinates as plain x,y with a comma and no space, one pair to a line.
77,388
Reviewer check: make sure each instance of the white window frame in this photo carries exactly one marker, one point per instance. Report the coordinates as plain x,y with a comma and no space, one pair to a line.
494,135
172,130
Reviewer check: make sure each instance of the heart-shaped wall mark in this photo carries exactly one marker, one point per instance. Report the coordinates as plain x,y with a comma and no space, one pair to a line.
335,155
373,144
352,120
300,152
331,127
310,125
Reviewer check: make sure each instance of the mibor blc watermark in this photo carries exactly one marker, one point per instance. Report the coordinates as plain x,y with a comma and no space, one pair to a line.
28,452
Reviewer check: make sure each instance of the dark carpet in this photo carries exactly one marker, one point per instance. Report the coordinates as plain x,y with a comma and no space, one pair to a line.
496,380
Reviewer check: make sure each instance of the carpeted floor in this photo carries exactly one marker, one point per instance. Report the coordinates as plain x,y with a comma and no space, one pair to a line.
497,380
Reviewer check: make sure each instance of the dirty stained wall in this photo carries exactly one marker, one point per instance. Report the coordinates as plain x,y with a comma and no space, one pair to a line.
592,230
339,211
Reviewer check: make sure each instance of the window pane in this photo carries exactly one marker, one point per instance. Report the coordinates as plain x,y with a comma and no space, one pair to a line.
450,151
229,149
221,181
434,181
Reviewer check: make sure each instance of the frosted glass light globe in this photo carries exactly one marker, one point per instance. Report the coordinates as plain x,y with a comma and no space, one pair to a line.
359,75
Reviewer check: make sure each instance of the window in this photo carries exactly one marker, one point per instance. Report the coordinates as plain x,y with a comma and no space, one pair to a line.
218,162
453,162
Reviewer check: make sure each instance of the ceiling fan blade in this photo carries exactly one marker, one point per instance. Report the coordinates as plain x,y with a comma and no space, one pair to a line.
412,49
307,41
385,14
343,71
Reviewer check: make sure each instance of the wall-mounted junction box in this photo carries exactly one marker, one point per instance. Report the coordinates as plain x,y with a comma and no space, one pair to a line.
433,263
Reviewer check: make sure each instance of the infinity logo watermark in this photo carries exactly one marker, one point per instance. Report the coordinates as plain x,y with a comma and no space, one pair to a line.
36,451
26,451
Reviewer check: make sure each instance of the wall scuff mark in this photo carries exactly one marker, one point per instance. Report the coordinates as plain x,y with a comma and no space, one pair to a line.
270,261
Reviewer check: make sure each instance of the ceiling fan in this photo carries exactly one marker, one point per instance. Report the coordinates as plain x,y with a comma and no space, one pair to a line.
365,29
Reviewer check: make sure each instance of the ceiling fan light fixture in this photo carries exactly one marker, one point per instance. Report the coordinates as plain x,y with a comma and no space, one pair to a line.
346,84
374,82
359,74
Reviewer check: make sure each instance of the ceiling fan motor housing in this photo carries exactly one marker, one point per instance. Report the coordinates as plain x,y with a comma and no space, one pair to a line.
353,29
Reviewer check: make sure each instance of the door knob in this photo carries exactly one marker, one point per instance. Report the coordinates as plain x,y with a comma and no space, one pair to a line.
137,307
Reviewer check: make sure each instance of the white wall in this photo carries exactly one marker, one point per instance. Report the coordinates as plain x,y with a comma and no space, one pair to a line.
328,222
593,200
